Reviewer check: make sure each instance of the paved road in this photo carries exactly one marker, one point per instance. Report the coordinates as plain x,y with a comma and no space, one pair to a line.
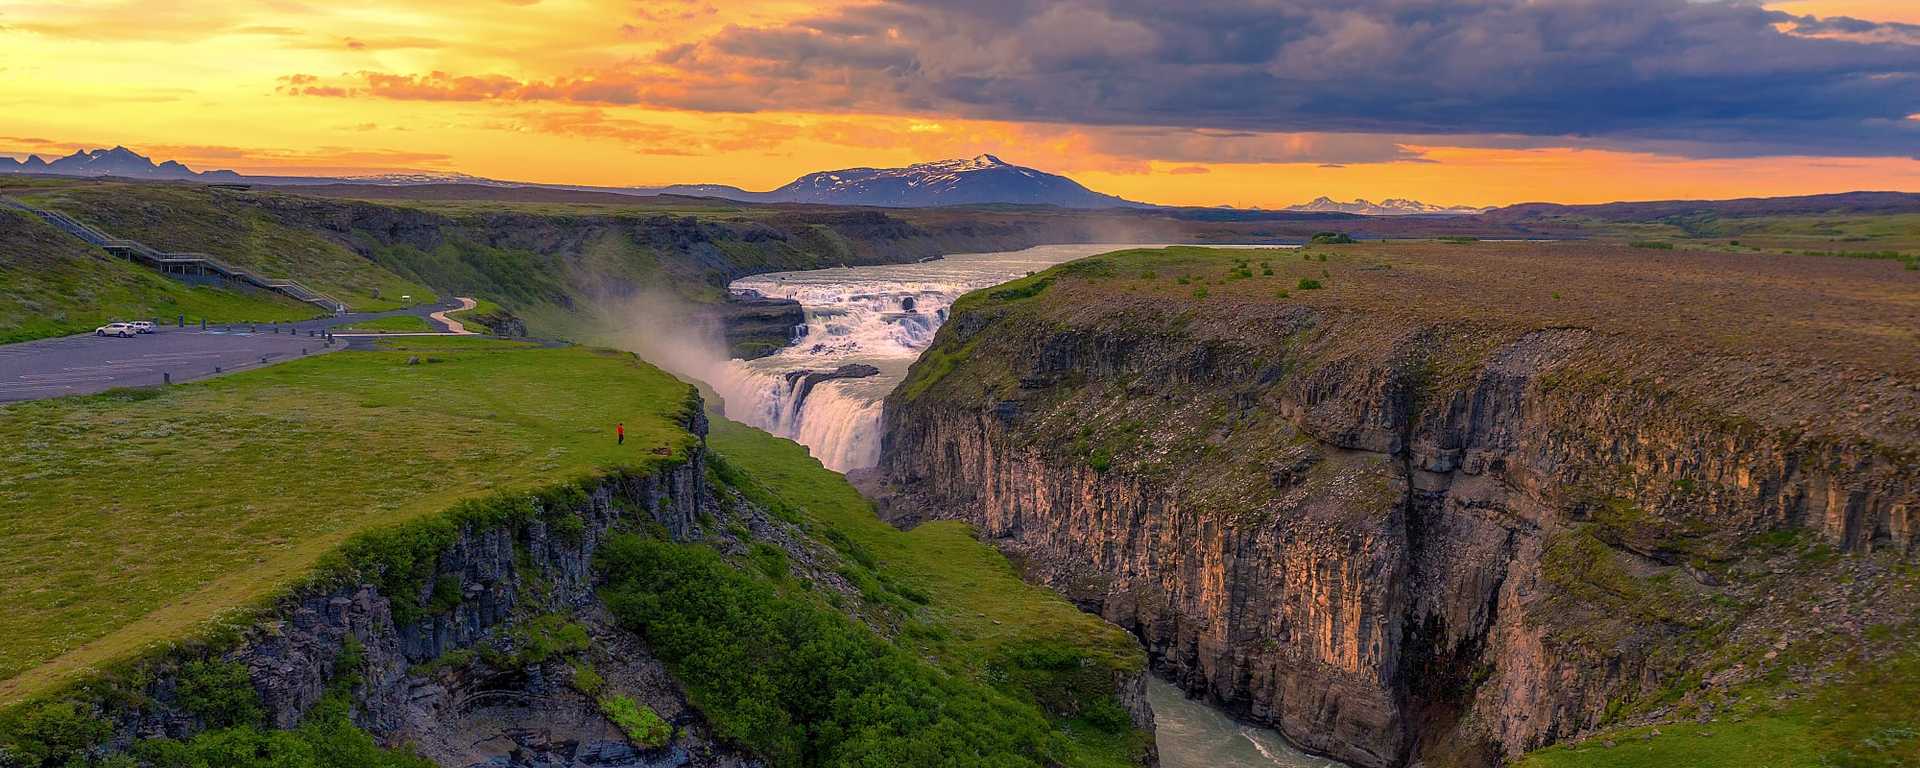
79,365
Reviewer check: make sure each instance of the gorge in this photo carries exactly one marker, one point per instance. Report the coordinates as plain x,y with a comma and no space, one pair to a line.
1348,501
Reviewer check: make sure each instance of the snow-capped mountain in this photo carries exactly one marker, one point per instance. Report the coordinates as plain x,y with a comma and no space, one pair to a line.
982,179
118,161
1393,206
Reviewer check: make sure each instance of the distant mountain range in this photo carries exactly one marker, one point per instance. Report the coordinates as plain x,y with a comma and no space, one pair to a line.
1392,206
118,161
978,181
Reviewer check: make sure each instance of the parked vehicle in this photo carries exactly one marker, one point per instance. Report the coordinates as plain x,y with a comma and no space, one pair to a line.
142,326
122,330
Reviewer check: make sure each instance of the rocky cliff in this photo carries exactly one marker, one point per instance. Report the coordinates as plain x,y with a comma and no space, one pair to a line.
1429,513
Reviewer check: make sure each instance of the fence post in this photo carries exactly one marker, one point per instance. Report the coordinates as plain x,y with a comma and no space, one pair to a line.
166,378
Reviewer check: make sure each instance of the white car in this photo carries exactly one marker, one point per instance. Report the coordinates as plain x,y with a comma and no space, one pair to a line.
122,330
142,326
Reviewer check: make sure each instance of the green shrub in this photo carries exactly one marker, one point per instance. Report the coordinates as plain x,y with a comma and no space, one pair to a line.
1148,274
1100,459
327,739
642,725
220,693
1281,294
800,683
1308,284
54,734
1331,238
586,680
769,560
548,636
1200,292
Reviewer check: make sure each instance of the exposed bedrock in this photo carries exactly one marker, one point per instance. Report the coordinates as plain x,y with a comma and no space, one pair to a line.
1393,543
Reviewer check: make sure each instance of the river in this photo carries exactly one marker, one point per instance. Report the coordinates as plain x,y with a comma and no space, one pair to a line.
884,317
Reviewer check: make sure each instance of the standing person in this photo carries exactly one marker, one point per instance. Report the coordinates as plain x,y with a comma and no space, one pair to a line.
620,433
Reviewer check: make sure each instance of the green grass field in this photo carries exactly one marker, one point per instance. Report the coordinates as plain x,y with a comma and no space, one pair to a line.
395,324
53,285
128,518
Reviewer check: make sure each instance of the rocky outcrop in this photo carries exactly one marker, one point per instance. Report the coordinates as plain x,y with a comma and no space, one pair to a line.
801,383
1393,540
754,326
489,580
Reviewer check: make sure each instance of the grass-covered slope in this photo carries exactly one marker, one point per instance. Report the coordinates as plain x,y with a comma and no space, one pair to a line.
210,495
980,663
52,284
220,223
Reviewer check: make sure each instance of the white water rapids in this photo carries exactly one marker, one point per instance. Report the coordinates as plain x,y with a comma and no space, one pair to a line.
883,316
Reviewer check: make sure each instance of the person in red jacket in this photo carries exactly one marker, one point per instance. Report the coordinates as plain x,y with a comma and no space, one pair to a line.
620,433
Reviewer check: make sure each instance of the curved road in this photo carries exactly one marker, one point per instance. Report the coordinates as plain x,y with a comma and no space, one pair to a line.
85,364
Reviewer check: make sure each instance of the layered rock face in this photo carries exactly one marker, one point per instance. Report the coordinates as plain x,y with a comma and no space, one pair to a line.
1395,538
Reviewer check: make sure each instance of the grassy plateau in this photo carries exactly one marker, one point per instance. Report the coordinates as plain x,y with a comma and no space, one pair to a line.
209,496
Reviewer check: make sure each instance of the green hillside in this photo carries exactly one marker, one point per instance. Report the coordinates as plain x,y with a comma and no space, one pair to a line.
52,284
217,222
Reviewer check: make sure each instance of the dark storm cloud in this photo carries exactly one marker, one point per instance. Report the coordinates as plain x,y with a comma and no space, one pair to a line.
1703,78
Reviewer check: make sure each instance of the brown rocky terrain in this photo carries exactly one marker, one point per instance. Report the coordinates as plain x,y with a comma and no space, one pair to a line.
1461,501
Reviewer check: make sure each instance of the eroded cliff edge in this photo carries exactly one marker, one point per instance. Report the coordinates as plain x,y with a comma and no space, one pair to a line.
1434,511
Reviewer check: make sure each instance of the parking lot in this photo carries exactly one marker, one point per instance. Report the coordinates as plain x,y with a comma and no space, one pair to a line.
78,365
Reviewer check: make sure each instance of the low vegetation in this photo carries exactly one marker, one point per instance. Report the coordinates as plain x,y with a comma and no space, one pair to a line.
1011,655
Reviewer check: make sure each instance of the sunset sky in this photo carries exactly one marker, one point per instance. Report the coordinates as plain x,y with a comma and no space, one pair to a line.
1252,102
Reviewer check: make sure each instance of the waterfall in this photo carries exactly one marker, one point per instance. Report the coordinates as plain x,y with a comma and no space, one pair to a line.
881,316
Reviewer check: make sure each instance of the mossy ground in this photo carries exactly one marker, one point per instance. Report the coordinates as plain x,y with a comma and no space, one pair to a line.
208,496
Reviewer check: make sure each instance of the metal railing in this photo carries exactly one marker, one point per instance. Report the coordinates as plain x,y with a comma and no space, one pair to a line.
138,251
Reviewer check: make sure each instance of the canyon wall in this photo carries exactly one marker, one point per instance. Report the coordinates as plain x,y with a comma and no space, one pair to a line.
1394,538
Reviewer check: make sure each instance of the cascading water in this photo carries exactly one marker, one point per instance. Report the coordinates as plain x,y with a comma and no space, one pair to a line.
881,316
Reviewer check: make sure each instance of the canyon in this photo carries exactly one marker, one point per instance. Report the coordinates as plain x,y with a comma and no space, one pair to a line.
1435,512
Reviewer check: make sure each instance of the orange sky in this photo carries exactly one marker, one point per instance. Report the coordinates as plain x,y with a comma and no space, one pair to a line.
209,85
